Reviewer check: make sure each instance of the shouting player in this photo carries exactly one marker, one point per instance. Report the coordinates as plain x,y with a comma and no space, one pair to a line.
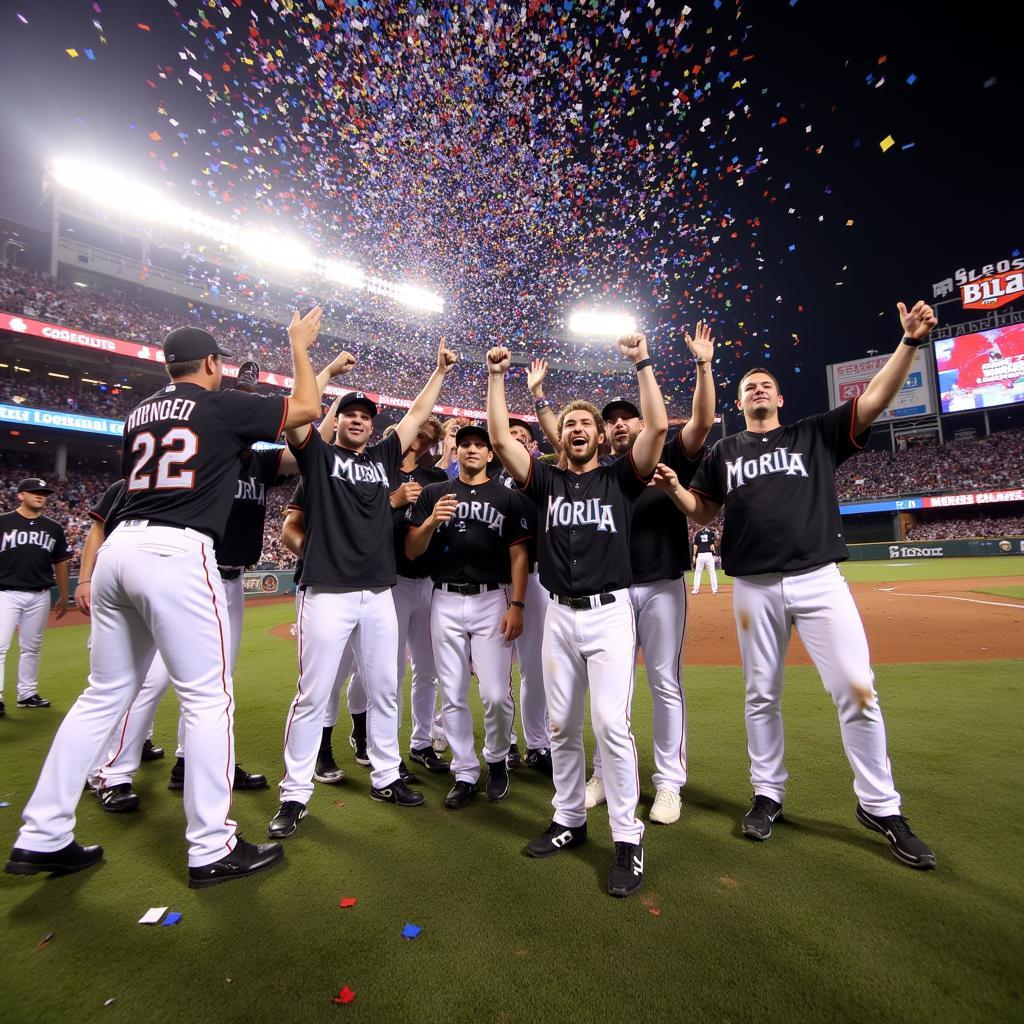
781,541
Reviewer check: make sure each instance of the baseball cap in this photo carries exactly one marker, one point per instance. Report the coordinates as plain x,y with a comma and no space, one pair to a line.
358,398
184,344
620,403
248,376
472,430
34,485
514,421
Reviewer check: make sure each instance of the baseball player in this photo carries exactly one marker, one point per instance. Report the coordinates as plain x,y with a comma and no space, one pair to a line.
347,577
704,552
33,550
658,557
475,530
589,627
155,586
781,541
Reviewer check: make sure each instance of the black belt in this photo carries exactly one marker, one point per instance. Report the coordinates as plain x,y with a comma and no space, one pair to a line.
229,574
29,590
467,589
583,603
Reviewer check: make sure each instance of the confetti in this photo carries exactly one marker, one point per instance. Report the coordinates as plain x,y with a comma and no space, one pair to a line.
152,915
887,143
411,931
347,901
172,918
46,940
345,995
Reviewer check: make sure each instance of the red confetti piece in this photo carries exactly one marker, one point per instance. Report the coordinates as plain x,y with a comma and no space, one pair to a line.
144,27
155,136
345,995
347,901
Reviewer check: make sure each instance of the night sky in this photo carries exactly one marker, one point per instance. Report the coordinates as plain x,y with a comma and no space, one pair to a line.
505,160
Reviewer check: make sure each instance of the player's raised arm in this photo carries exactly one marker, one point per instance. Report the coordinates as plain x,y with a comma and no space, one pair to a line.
514,457
342,363
702,414
690,503
886,384
544,408
420,410
304,401
650,441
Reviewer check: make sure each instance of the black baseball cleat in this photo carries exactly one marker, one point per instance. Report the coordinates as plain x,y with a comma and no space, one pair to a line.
757,822
35,701
497,781
177,779
358,744
286,821
557,838
906,847
429,759
514,759
248,780
244,860
539,758
3,710
627,871
119,799
396,792
408,777
60,862
151,753
459,795
327,770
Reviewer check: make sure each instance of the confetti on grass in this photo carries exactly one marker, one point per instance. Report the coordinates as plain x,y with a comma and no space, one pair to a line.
411,931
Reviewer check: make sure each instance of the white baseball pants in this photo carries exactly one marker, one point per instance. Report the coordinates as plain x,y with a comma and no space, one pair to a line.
464,628
125,752
27,610
328,618
153,588
705,560
593,648
819,604
533,706
660,610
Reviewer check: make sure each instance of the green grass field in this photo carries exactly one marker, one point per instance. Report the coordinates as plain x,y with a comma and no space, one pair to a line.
819,924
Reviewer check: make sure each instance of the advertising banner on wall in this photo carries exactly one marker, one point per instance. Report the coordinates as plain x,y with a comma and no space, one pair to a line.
850,380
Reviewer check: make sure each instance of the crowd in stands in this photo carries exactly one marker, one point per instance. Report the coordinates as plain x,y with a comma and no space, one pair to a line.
44,393
1009,525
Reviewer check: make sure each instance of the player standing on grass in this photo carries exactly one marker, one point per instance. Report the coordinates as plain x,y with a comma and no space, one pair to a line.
33,549
156,587
589,629
781,541
704,558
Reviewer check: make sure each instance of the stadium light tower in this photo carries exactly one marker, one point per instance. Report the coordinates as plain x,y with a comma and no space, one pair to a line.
596,323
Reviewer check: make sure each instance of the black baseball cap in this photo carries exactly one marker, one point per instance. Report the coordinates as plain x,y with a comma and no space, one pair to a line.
184,344
34,485
358,398
248,376
620,403
472,430
514,421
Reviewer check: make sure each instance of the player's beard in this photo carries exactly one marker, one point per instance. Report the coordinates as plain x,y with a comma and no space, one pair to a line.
761,412
621,445
584,456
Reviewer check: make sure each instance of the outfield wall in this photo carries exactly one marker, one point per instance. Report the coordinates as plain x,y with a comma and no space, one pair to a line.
937,549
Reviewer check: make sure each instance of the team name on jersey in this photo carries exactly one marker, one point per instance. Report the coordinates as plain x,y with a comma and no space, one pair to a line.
580,513
251,490
164,409
481,511
359,472
779,461
14,538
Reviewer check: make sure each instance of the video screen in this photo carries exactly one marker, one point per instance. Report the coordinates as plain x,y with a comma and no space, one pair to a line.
981,371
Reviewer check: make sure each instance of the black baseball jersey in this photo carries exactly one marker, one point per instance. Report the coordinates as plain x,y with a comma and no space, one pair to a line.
349,528
29,549
585,521
297,502
658,545
504,477
182,453
105,504
779,493
472,547
418,568
704,541
242,543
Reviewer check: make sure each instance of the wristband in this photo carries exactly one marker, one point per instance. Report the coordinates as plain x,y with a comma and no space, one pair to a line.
80,582
912,343
702,362
543,403
642,364
517,604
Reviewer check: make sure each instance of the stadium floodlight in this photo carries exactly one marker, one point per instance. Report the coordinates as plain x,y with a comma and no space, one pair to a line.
418,298
271,247
596,323
346,274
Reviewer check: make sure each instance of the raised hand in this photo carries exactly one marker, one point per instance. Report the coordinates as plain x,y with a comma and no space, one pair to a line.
535,376
702,345
343,363
446,358
918,321
499,359
303,331
633,346
445,509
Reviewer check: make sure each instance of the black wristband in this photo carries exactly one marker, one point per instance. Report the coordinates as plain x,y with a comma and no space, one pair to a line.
643,363
517,604
911,343
543,403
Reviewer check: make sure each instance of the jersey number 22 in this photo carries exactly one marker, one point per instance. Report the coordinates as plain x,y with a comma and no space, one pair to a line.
180,445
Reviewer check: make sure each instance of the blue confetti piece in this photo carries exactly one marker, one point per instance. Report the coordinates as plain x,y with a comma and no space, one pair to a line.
792,248
911,78
908,145
172,918
5,803
411,931
90,54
